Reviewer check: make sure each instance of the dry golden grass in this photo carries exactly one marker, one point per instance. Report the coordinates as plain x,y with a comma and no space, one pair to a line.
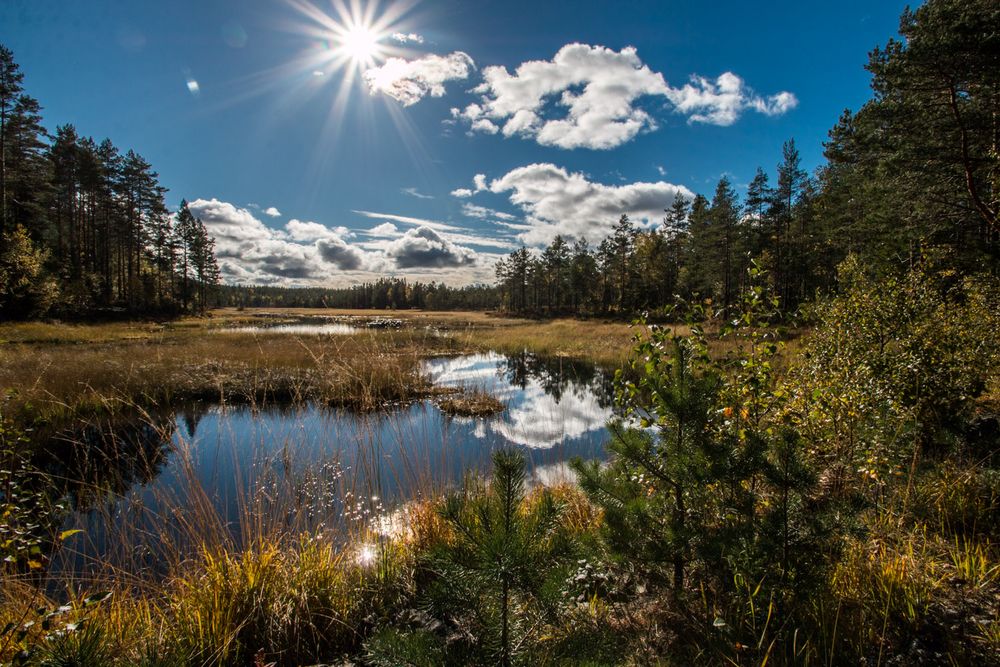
95,373
476,403
57,369
604,343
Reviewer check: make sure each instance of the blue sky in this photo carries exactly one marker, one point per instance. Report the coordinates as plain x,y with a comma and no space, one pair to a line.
425,138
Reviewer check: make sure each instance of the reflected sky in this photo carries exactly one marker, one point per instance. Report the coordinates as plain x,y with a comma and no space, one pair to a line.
331,329
535,417
311,466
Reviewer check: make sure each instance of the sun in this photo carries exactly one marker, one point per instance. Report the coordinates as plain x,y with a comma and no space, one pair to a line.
360,43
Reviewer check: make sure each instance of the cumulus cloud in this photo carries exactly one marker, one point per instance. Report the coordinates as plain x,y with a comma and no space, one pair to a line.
721,102
409,81
425,248
251,252
405,38
336,251
386,229
588,97
303,252
556,201
272,211
313,231
273,259
479,181
229,225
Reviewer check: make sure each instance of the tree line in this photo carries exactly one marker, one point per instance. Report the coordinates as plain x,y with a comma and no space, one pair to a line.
391,293
702,249
83,226
914,174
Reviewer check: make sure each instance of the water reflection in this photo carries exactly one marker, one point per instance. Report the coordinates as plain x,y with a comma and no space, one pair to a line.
102,458
206,469
329,329
549,401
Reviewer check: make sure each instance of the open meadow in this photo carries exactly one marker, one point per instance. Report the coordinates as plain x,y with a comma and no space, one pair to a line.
246,356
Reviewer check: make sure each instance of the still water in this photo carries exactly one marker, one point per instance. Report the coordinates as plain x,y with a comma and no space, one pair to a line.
326,329
207,468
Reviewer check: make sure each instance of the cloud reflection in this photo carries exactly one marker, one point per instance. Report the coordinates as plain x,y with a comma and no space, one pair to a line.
542,411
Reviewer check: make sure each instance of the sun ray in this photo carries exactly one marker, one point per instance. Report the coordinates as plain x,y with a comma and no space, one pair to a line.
342,39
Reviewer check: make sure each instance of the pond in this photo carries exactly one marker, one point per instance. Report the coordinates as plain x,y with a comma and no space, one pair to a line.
317,326
299,329
232,470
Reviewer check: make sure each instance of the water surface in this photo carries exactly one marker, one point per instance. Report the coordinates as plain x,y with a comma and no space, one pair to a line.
205,467
301,329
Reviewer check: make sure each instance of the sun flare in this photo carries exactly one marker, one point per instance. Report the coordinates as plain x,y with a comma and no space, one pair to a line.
360,43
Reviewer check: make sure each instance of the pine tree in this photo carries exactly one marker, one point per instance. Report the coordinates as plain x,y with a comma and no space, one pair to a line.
557,259
583,272
497,564
186,229
698,279
725,218
622,239
791,180
10,91
654,481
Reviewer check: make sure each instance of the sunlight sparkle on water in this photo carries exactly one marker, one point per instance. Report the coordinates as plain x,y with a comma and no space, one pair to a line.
367,553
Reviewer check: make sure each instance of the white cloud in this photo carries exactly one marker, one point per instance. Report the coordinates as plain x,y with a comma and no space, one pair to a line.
229,225
386,229
272,211
413,192
556,201
409,81
723,101
404,38
301,252
408,220
309,253
483,213
479,181
313,231
599,90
